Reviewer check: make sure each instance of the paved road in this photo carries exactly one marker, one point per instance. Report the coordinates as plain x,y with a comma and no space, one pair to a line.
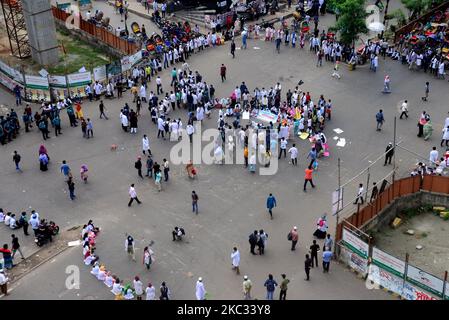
232,202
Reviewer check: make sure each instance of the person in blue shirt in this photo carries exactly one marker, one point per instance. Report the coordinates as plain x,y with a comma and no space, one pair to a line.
380,119
327,257
271,203
312,155
271,285
65,169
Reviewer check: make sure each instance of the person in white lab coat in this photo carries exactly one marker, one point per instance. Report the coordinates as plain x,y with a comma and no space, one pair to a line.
150,292
235,257
146,145
200,290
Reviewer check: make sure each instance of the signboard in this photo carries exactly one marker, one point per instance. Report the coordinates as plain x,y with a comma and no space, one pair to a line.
100,73
355,244
11,72
385,279
37,88
78,82
58,86
410,292
130,61
388,262
425,280
354,261
114,68
337,201
267,116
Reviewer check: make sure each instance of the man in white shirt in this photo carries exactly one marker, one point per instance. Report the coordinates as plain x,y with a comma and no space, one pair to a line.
159,85
98,89
294,154
283,148
3,283
359,194
433,157
133,195
404,110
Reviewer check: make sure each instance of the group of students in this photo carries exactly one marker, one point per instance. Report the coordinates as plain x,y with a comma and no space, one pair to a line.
121,291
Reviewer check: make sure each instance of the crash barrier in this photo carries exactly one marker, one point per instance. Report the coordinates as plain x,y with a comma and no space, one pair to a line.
402,187
382,270
35,88
100,33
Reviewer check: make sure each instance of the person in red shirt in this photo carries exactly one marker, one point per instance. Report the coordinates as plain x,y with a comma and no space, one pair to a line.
223,72
308,177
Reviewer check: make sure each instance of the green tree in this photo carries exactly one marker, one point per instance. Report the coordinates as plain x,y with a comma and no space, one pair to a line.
352,20
417,7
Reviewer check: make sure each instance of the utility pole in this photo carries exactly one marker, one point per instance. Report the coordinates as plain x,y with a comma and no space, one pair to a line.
394,149
385,18
338,207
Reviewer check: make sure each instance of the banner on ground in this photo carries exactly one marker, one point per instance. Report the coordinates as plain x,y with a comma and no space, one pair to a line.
388,262
355,244
77,83
58,87
267,116
37,88
425,280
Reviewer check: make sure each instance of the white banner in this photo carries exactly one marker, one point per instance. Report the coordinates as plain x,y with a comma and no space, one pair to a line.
100,73
57,81
410,292
388,262
79,79
424,280
36,82
385,279
355,244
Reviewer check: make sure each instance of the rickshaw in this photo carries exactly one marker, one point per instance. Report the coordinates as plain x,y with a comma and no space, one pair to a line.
136,29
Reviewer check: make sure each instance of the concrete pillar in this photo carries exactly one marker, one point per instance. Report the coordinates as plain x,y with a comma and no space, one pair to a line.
41,31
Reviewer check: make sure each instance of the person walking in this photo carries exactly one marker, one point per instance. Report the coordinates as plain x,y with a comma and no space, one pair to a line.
223,72
71,186
89,129
283,148
138,166
65,169
294,154
166,169
308,177
194,202
130,247
133,195
247,285
404,110
307,263
102,109
374,192
235,257
233,49
148,257
380,120
314,249
158,179
159,88
16,159
426,91
293,236
200,291
253,238
445,137
165,292
359,194
327,256
389,152
16,246
271,203
146,145
149,165
271,285
262,241
283,287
